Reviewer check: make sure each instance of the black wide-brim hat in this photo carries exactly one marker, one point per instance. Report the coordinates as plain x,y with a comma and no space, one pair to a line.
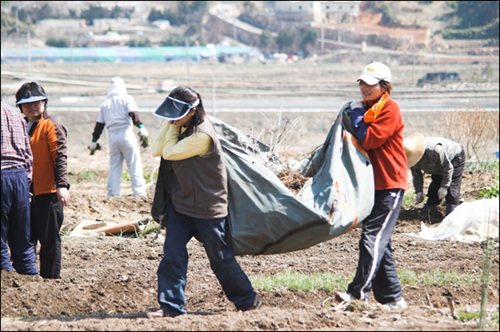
174,109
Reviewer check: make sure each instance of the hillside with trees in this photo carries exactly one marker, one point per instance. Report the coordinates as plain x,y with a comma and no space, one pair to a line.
455,20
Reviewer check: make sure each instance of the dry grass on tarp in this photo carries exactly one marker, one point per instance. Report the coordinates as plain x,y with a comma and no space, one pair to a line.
293,181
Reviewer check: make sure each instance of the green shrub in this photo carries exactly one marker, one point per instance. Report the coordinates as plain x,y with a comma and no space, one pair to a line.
490,192
57,42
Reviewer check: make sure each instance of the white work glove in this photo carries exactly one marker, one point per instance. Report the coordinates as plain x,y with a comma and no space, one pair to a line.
357,104
442,193
420,198
92,147
143,132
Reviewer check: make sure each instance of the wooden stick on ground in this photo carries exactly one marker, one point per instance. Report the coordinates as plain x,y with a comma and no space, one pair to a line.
125,227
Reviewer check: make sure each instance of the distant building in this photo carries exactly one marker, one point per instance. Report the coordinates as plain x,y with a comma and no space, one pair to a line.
111,38
51,27
340,7
313,11
161,24
337,10
110,23
297,7
298,10
238,55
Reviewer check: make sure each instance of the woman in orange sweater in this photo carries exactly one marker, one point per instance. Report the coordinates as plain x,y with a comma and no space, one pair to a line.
50,186
379,127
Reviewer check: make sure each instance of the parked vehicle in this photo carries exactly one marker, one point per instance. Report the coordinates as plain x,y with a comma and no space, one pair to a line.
439,77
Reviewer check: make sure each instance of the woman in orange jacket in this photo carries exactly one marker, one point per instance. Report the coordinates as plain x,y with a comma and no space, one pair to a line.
50,186
378,126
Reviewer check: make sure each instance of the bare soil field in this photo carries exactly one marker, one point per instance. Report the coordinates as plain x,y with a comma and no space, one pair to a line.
108,283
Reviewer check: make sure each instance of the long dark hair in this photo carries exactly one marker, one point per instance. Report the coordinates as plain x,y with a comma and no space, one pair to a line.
188,95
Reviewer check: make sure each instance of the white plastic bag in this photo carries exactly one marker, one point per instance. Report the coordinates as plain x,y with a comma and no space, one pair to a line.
469,222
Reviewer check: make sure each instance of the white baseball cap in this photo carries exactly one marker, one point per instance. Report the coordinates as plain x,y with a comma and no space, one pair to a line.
374,73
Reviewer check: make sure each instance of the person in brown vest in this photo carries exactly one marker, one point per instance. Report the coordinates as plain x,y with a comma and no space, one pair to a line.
197,206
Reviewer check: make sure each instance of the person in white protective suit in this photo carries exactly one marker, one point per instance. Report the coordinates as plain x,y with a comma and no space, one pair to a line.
119,113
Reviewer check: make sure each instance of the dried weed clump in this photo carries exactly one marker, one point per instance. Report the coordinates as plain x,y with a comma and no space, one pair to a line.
473,127
293,181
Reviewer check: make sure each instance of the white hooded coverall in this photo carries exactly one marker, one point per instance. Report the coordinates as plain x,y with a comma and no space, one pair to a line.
123,145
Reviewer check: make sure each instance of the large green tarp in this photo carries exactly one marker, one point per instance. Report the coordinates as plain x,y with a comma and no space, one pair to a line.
265,217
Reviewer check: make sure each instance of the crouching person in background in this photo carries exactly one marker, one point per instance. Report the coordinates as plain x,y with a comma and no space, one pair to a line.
444,159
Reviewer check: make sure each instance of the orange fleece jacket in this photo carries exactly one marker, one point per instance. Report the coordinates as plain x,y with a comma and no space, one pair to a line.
384,144
50,161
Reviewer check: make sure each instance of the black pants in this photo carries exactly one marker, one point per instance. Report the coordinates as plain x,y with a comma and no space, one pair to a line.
46,220
453,195
376,269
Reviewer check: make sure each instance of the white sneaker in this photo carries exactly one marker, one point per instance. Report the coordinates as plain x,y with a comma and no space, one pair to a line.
399,304
344,297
